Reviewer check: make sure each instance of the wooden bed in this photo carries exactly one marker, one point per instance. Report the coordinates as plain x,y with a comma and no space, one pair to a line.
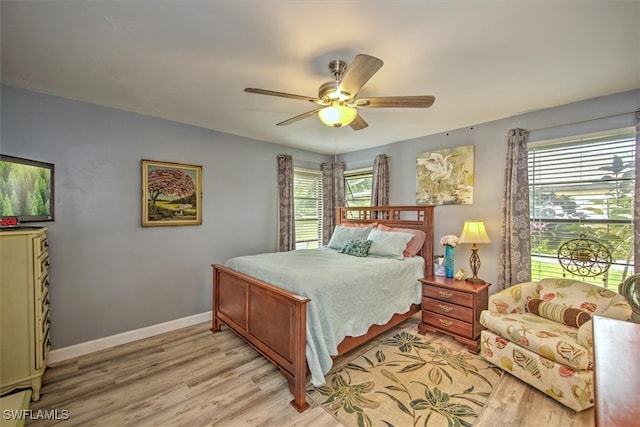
273,320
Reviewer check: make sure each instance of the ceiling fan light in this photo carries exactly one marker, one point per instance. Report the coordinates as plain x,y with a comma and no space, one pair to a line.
337,115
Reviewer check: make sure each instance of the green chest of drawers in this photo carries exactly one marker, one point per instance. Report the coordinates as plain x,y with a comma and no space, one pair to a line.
24,309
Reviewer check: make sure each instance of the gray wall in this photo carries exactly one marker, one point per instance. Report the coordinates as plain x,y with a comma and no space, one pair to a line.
108,274
489,142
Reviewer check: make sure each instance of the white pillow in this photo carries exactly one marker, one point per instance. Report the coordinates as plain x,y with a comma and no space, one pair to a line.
342,234
389,244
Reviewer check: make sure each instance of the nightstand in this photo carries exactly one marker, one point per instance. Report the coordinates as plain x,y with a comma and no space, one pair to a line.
453,307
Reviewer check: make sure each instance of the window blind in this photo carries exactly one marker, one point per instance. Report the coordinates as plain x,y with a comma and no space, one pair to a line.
307,200
582,188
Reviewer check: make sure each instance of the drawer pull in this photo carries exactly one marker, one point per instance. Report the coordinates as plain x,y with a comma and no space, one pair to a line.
445,308
445,294
445,323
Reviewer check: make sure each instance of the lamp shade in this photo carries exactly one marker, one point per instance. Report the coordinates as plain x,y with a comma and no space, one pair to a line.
474,232
337,115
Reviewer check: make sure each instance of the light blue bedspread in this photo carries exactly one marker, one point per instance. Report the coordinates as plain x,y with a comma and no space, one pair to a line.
348,294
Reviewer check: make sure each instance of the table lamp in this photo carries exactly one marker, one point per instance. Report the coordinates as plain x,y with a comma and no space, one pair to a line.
474,232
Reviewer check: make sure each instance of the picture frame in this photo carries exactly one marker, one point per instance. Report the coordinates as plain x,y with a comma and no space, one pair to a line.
171,194
445,177
438,265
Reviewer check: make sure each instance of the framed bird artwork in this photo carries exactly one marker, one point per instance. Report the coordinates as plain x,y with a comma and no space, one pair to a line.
445,177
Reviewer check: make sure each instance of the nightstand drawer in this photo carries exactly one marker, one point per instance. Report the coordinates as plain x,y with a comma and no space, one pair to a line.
449,295
448,324
447,309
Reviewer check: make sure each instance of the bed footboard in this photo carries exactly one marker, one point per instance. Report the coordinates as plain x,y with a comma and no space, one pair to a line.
270,319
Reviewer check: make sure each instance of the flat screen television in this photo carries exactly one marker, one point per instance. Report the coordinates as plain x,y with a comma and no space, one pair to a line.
26,189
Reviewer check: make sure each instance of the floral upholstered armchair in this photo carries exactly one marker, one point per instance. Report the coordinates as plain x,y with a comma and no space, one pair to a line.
541,333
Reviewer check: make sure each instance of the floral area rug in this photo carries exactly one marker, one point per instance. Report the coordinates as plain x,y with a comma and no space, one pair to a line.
408,381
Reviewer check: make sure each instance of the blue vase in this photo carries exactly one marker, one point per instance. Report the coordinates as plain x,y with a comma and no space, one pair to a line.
449,258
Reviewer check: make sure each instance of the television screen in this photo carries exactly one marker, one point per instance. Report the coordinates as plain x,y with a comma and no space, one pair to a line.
26,189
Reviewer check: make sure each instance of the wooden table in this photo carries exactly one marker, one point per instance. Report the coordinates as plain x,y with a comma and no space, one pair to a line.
617,372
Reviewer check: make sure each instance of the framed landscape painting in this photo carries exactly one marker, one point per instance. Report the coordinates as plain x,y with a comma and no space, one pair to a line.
171,194
445,177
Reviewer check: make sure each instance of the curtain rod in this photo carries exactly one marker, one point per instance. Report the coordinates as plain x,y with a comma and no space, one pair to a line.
365,160
580,121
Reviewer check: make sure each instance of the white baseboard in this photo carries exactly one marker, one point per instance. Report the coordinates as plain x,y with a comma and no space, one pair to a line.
81,349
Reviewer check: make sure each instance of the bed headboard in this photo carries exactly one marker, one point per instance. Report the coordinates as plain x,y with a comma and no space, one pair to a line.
415,217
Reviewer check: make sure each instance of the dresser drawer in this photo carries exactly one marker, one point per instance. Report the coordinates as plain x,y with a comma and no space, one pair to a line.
41,265
449,295
43,340
42,304
45,322
40,245
448,309
448,324
42,287
42,350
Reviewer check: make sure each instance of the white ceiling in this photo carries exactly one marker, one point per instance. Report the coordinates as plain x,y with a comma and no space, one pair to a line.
189,61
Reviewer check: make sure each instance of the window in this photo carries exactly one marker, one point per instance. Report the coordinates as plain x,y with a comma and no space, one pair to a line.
582,188
357,187
307,202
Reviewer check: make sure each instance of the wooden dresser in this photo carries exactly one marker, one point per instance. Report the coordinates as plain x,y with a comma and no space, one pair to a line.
453,307
24,309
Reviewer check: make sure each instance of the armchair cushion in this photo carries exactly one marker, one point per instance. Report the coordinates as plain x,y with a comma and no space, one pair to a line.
567,292
514,299
585,296
559,313
545,337
585,334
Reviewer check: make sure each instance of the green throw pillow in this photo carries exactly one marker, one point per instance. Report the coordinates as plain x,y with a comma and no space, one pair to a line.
356,247
558,313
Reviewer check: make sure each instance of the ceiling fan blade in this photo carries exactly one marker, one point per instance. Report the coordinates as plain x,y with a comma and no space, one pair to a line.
281,94
299,117
359,72
358,123
396,102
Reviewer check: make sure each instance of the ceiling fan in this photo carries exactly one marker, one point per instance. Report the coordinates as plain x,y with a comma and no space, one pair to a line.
337,98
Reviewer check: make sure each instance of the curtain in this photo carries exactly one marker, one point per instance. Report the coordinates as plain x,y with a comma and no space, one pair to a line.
286,218
515,239
380,184
332,196
636,202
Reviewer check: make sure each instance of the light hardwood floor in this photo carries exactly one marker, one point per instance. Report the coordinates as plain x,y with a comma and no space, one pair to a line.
192,377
